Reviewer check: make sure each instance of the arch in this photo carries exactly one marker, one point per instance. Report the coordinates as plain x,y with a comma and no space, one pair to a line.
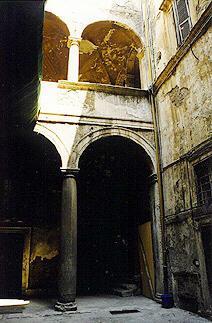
55,140
114,171
81,145
112,24
109,54
55,50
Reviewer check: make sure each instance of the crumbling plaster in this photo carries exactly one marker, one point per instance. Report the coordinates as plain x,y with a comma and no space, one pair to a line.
176,189
163,37
185,121
184,103
45,243
43,260
200,6
181,238
184,110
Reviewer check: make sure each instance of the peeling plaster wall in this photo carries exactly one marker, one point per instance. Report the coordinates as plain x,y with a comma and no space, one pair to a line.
184,275
162,30
181,237
200,6
44,260
184,107
93,103
162,35
185,103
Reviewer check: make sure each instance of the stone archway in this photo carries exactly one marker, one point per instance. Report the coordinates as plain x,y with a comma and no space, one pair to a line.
33,202
55,140
113,208
85,141
68,263
70,168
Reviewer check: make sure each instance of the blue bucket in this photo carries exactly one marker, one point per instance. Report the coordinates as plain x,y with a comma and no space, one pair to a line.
167,301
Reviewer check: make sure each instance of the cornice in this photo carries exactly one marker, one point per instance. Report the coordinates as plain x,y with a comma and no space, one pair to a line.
106,88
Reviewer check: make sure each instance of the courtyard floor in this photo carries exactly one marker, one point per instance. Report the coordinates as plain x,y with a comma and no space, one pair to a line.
102,309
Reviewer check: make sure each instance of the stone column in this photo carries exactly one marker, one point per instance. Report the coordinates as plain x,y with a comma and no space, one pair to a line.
157,238
68,243
73,62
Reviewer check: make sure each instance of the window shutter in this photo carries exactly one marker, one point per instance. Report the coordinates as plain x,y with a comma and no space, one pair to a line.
182,19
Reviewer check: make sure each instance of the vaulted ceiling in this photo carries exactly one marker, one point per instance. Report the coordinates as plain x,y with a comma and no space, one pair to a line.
108,53
55,57
113,58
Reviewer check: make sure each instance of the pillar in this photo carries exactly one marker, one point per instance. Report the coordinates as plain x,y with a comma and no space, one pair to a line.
157,237
68,244
73,62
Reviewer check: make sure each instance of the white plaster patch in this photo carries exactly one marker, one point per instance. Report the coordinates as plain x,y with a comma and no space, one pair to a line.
87,47
122,107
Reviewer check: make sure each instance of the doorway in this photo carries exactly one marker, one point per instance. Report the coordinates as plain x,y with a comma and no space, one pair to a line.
113,201
11,259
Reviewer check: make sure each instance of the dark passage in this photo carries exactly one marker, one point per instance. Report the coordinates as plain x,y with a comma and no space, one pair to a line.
33,182
207,245
112,195
11,256
31,197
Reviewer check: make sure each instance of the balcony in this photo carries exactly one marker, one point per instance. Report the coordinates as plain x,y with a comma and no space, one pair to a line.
94,104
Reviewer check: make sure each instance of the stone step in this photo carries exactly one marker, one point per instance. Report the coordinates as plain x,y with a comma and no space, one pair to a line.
127,290
12,305
128,286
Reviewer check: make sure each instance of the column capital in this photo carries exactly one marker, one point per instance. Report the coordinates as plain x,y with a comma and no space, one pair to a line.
69,172
153,178
73,41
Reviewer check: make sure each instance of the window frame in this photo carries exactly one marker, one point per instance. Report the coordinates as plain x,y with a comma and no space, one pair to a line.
204,196
180,39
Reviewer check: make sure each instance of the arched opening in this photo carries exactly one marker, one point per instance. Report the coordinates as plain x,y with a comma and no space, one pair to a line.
113,205
55,50
109,54
32,199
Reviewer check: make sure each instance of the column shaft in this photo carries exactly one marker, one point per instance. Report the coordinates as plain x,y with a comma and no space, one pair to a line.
73,63
68,246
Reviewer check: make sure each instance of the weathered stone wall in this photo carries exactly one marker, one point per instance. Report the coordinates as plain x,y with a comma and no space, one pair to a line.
184,110
162,31
161,35
200,6
185,117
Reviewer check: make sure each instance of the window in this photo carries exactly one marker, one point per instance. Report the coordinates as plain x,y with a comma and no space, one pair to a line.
182,19
203,173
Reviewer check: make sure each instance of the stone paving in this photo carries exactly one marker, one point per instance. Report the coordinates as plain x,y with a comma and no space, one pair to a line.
97,309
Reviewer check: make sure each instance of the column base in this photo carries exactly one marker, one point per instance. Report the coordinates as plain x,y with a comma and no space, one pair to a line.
158,298
65,307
